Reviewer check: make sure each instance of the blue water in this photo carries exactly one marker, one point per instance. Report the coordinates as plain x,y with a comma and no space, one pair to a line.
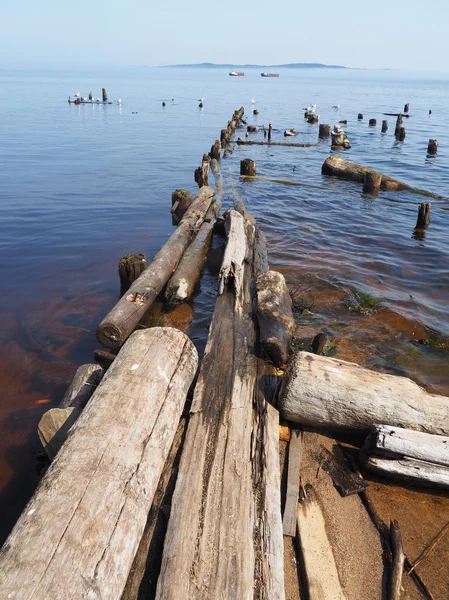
80,186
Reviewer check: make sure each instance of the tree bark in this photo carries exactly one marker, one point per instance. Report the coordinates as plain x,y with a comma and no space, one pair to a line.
275,317
335,394
78,535
120,322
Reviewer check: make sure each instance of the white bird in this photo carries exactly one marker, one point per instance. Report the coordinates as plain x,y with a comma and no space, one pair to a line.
200,99
98,100
253,101
77,95
119,101
311,108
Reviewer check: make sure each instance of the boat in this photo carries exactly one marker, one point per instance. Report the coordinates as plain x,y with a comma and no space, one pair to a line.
236,73
269,74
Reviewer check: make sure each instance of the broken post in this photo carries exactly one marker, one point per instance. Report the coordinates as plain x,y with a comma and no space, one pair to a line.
384,126
360,117
248,167
215,150
180,202
423,216
372,122
371,182
401,134
270,127
202,173
104,94
129,269
324,131
406,108
432,147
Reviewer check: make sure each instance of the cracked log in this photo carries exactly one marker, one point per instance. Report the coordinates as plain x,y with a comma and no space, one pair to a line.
121,321
325,392
78,535
224,537
275,317
345,169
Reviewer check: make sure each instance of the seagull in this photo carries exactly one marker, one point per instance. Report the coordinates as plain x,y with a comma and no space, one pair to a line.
336,106
200,99
119,101
77,95
253,101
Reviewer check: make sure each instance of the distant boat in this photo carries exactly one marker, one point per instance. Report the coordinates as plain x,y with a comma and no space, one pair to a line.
269,74
236,73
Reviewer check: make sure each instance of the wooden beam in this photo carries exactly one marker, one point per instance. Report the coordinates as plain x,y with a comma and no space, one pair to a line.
291,500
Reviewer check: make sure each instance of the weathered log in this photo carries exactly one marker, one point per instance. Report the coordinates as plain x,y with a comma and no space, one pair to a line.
325,392
371,182
324,131
291,500
322,580
397,566
372,122
180,202
182,283
219,187
241,142
345,169
423,216
432,147
395,442
384,126
275,317
78,535
104,358
360,117
224,537
120,322
410,470
104,94
54,427
406,108
215,150
83,385
130,267
248,167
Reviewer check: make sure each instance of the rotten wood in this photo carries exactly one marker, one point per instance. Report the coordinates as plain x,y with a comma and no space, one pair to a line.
291,500
130,268
345,482
104,358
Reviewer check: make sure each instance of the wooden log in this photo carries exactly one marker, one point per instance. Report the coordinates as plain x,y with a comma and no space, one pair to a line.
104,358
241,142
54,427
104,94
406,108
371,183
397,115
252,129
121,321
395,442
78,535
322,579
224,537
83,385
248,167
384,126
432,147
130,267
360,117
423,220
324,131
275,317
397,566
410,470
345,169
325,392
291,499
180,202
372,122
182,284
215,150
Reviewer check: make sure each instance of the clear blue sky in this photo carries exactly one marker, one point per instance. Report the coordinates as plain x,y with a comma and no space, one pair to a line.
90,33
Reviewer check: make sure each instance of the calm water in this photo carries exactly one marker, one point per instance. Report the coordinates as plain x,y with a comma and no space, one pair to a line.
83,185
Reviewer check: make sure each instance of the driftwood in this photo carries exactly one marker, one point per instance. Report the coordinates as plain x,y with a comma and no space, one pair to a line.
78,535
397,566
410,470
224,537
241,142
335,394
322,580
275,317
121,321
291,500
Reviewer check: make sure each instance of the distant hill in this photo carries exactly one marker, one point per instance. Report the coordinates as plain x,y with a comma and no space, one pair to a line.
207,65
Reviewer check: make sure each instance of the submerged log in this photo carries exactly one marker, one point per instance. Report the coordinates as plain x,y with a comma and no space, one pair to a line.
248,167
224,537
335,394
345,169
241,142
275,317
130,268
121,321
78,535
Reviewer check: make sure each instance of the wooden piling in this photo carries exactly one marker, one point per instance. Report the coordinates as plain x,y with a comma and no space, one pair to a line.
371,182
255,111
360,117
372,122
398,125
129,269
324,131
248,167
313,118
384,126
224,137
215,150
202,173
401,134
432,147
423,216
270,127
90,96
406,108
104,94
180,202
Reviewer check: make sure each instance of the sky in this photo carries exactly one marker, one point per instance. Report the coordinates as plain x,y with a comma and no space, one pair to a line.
90,33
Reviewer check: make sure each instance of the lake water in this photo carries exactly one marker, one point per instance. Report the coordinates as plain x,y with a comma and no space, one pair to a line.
82,186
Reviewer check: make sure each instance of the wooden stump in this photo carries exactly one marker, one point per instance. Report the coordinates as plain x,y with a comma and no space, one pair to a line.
104,94
180,202
398,125
406,108
401,134
324,131
248,167
371,183
90,96
129,269
313,119
275,317
252,128
79,533
202,173
270,127
360,117
215,150
432,147
224,137
423,216
384,126
372,122
255,111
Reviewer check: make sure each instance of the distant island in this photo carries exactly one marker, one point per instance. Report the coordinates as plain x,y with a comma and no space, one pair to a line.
207,65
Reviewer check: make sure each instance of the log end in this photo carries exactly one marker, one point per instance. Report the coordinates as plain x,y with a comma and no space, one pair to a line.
274,350
110,335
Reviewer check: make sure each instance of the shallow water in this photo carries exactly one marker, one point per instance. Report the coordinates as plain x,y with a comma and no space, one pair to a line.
82,186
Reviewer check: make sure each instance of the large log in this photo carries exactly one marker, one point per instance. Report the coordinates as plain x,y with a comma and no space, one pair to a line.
224,537
121,321
345,169
335,394
275,317
78,535
410,470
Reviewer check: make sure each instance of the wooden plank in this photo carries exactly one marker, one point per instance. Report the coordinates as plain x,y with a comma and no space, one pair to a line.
328,393
291,500
346,482
322,579
78,535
